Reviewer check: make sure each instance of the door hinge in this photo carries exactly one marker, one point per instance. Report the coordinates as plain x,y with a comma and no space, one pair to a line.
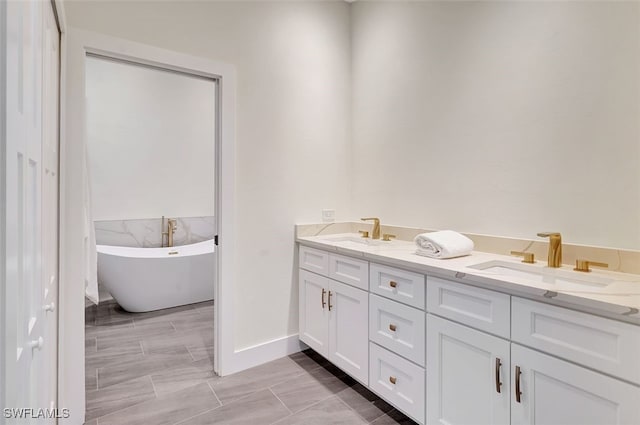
215,240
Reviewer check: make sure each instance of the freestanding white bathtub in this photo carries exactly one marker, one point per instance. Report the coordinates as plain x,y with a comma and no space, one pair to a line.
147,279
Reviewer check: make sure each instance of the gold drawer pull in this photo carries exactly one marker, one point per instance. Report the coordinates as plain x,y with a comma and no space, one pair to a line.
393,283
392,327
392,379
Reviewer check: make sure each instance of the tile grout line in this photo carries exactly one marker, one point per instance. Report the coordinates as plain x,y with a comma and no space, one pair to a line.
153,386
282,402
285,381
354,410
194,359
306,408
261,388
184,421
214,393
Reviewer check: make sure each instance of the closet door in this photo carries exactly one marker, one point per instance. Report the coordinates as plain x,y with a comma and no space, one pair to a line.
50,190
31,190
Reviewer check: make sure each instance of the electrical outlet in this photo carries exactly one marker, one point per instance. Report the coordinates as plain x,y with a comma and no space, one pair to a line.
328,216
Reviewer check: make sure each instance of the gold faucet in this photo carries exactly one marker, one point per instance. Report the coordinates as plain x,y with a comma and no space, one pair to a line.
172,226
555,248
375,233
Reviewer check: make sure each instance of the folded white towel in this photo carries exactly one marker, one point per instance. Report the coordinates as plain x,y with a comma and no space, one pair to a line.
443,244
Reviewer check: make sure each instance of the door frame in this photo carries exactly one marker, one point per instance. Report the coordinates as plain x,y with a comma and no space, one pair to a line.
75,46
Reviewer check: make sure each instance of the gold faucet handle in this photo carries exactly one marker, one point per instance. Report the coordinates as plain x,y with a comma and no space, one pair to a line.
375,219
365,233
549,234
529,257
583,265
387,236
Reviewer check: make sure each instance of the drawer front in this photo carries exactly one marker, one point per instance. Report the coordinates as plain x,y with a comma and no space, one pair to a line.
479,308
398,285
314,260
398,381
605,345
398,327
349,270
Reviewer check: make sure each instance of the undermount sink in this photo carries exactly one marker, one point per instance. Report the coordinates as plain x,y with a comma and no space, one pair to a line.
347,240
561,279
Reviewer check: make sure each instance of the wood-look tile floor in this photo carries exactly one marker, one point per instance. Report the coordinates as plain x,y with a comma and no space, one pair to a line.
156,369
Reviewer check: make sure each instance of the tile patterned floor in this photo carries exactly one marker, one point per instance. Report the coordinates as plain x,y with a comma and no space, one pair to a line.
156,369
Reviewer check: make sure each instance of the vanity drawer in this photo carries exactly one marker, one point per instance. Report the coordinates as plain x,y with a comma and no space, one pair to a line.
602,344
398,381
398,327
398,285
314,260
478,308
349,270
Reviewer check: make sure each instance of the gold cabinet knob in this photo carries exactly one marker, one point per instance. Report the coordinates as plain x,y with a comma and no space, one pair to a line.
392,379
387,236
528,257
583,265
393,283
392,327
364,233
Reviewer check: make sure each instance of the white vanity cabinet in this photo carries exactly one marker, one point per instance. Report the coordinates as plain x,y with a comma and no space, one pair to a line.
314,314
554,391
474,377
348,328
334,320
449,352
467,375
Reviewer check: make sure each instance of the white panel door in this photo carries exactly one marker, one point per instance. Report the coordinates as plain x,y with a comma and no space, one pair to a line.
467,375
349,329
50,188
553,391
314,311
29,263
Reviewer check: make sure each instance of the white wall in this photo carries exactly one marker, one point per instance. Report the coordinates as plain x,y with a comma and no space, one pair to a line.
498,117
151,142
505,118
292,157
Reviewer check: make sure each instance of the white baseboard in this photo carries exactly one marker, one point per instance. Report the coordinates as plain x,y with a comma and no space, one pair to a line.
263,353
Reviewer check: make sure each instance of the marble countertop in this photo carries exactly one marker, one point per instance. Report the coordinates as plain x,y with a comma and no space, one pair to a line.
613,295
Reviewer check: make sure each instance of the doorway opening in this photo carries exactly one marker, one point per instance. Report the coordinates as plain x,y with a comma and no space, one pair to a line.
151,138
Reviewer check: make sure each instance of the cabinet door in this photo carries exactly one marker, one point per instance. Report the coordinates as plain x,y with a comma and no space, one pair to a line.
349,329
314,311
554,391
467,375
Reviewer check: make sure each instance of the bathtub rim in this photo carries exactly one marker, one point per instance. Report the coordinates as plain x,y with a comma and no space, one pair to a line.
199,248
